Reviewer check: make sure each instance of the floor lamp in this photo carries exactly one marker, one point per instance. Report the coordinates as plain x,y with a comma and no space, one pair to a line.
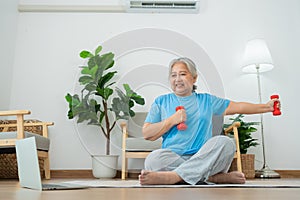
257,59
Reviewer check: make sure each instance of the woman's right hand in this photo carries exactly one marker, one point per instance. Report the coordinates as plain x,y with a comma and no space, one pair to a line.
179,116
156,130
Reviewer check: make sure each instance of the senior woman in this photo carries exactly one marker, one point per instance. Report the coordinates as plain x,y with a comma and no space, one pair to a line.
191,156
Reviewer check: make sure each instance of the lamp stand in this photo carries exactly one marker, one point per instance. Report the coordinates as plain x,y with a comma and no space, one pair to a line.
265,172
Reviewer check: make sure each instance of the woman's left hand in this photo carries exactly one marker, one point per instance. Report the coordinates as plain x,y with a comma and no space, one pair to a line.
271,103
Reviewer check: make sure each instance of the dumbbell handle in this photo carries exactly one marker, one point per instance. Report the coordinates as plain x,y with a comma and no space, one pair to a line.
276,110
181,126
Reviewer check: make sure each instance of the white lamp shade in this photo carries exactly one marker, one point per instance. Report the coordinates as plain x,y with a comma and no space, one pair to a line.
257,54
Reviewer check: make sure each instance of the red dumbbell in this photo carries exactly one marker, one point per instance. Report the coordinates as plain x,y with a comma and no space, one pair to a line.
181,126
276,109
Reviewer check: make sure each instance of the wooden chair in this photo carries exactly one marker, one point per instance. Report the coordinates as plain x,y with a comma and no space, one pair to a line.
133,143
234,128
12,130
135,146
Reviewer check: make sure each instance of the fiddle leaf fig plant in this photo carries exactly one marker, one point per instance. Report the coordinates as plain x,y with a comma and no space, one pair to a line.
96,104
245,133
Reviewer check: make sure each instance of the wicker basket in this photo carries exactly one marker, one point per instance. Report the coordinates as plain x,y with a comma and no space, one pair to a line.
33,129
247,165
8,161
9,166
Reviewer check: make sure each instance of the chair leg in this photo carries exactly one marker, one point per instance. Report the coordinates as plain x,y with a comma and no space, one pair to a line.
47,168
238,152
124,167
239,162
45,156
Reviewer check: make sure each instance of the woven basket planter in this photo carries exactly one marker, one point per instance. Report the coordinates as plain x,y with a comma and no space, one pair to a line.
247,165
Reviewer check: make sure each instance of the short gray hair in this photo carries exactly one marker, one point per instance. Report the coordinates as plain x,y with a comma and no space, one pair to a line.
189,64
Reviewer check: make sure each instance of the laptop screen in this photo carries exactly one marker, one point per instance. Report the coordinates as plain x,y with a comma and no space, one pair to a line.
28,164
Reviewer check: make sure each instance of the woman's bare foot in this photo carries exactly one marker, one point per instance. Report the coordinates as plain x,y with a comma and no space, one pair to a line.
159,178
234,177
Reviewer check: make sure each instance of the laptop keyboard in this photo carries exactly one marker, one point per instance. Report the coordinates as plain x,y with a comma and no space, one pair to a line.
52,186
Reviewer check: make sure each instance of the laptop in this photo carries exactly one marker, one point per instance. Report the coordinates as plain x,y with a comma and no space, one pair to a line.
29,170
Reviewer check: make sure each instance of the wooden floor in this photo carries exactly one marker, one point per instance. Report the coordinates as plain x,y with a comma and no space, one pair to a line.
10,190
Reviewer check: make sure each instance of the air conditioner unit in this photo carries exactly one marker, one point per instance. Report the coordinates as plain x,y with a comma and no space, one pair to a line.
163,6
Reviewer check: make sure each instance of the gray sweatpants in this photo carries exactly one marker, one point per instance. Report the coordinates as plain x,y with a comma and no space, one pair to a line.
214,157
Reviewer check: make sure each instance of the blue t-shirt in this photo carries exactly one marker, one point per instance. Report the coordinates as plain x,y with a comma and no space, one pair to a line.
199,109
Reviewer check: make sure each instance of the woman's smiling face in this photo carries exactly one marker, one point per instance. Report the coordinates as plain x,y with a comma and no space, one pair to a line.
181,80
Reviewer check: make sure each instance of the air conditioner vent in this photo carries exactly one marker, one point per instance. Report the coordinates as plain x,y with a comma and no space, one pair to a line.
185,6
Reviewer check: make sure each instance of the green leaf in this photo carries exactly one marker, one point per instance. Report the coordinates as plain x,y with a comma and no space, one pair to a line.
120,108
105,79
90,87
90,71
102,115
85,54
131,103
68,97
93,61
128,90
106,61
97,51
73,102
85,70
122,96
104,93
132,113
134,96
85,80
139,100
252,129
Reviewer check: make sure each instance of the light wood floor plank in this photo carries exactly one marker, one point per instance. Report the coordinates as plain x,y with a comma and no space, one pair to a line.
10,190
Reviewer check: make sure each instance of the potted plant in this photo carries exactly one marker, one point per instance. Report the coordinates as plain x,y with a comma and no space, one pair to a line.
245,142
96,104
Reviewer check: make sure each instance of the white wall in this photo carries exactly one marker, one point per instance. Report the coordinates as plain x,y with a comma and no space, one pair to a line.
46,66
8,24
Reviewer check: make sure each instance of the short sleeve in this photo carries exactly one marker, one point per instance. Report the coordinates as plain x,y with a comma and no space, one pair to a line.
219,105
154,114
